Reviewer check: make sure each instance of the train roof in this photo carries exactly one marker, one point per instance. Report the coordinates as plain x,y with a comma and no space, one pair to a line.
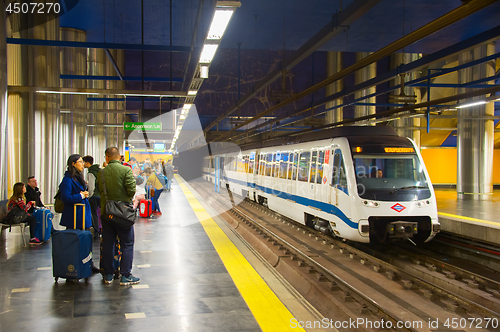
346,131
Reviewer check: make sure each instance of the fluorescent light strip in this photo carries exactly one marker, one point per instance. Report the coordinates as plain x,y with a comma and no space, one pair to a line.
472,104
208,53
187,106
219,23
192,92
68,93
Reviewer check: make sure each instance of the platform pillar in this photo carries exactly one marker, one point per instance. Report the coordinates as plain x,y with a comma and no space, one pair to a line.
364,74
333,66
475,140
3,104
398,59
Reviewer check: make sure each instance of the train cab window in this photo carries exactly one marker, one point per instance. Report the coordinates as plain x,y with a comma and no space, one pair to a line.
319,169
283,165
339,178
269,164
276,158
314,160
304,162
295,166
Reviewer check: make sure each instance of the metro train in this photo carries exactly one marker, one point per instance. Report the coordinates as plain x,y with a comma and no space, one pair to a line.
364,184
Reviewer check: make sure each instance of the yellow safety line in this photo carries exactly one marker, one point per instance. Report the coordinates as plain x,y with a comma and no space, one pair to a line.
469,219
270,313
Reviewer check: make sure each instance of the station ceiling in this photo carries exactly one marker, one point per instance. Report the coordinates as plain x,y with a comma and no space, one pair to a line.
266,32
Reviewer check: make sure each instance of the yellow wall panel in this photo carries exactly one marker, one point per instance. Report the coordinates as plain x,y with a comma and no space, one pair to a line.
442,165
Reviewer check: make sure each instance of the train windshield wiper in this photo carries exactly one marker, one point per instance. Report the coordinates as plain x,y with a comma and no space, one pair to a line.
408,187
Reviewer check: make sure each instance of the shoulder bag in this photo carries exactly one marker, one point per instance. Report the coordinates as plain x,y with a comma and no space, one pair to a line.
121,214
15,216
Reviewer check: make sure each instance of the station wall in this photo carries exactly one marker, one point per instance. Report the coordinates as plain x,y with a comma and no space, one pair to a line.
441,164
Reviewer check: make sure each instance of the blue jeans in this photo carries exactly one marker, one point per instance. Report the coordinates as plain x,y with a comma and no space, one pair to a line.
156,206
169,184
126,237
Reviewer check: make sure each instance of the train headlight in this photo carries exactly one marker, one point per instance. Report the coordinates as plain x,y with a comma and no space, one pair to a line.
422,203
371,204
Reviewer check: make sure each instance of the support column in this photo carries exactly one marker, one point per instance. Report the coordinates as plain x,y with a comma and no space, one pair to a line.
333,66
475,140
361,76
73,124
3,104
398,59
46,73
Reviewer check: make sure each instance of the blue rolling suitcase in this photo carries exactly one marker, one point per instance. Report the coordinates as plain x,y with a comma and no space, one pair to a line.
72,252
43,224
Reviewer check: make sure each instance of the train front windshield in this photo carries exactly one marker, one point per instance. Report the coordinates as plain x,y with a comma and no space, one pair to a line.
391,178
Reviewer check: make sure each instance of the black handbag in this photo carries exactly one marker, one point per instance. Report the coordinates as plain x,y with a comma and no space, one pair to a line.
121,214
15,216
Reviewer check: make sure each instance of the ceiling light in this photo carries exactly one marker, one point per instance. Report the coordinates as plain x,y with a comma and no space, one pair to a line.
208,53
68,93
183,116
203,71
219,23
187,106
192,92
472,104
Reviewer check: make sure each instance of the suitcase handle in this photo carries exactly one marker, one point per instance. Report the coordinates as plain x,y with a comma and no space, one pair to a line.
83,216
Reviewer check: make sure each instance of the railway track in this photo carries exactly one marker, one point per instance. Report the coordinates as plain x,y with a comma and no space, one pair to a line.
341,281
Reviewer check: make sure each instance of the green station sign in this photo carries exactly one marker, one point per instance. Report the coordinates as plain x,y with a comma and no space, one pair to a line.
147,126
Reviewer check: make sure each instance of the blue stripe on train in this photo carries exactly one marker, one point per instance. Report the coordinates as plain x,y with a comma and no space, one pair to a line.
325,207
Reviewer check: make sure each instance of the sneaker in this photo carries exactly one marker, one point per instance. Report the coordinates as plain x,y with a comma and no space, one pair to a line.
107,278
130,280
35,241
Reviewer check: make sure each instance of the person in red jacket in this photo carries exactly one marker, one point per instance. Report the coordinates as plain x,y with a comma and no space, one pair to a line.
17,201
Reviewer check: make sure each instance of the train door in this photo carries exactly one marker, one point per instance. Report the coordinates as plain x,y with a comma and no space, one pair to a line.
339,183
312,178
251,174
322,187
303,189
292,172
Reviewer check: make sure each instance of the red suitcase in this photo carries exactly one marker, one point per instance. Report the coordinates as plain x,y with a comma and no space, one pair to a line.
145,208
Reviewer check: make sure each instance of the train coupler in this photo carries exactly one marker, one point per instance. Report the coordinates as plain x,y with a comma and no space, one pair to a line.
402,229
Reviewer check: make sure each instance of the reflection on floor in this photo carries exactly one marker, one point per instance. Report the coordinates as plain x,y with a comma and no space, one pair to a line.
184,285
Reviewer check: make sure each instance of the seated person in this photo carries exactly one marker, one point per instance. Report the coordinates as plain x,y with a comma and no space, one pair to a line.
17,203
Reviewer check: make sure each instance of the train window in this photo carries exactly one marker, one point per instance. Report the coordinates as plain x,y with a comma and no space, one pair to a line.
295,165
314,158
304,166
269,164
240,166
319,172
257,164
339,178
283,165
262,165
276,158
247,164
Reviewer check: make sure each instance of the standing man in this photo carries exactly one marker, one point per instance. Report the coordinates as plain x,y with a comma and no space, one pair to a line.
33,193
169,173
120,186
94,195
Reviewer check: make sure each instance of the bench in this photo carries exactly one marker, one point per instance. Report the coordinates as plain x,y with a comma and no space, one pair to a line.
3,213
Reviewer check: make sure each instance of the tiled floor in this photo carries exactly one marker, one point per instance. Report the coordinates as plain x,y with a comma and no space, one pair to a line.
184,284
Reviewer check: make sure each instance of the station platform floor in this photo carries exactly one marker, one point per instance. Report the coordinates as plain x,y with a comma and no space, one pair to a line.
196,275
474,219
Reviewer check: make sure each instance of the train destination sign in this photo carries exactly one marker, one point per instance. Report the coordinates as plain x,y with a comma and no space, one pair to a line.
147,126
399,150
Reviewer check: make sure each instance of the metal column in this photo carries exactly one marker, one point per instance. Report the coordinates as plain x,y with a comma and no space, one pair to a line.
475,138
3,104
398,59
333,66
362,75
73,124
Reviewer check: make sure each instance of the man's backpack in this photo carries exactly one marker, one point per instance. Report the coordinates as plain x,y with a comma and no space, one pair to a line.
58,203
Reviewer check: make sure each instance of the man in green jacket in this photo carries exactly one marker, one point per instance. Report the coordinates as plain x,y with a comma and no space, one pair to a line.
120,186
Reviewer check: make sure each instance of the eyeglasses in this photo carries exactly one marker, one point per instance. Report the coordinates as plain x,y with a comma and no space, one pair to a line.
80,161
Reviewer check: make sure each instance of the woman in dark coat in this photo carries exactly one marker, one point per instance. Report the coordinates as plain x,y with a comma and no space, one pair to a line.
74,190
